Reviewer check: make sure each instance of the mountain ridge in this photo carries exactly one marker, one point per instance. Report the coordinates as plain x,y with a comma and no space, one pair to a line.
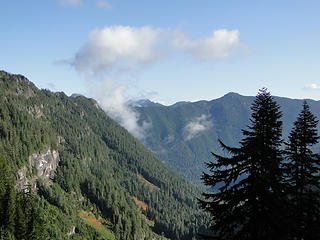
104,174
151,103
222,118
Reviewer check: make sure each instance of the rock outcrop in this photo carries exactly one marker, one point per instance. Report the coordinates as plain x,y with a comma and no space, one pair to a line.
71,232
41,166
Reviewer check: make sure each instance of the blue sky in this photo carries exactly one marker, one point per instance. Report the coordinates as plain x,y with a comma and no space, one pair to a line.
164,50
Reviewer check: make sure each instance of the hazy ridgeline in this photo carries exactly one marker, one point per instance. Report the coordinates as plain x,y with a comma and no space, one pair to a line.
107,184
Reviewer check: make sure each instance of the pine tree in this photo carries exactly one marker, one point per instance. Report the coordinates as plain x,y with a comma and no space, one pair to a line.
20,220
302,176
248,202
7,197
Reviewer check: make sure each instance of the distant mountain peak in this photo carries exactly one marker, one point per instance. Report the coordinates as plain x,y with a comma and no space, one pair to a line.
232,94
177,104
143,103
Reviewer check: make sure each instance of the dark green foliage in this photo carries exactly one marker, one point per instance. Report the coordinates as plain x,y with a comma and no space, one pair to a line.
22,131
102,167
302,177
168,139
228,115
20,217
249,202
7,197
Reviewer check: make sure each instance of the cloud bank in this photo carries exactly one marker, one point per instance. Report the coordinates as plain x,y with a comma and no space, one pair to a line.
115,104
195,127
107,54
115,51
219,45
118,48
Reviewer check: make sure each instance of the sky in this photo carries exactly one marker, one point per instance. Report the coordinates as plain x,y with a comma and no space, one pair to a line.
167,51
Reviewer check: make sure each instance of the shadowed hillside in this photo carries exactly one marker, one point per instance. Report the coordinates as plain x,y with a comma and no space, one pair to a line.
183,135
106,184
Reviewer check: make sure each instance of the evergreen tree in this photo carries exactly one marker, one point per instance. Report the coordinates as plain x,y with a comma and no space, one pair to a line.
20,222
101,167
302,176
7,197
248,202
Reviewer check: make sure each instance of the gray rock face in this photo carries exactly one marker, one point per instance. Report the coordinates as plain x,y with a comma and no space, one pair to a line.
41,166
72,231
36,111
21,179
45,163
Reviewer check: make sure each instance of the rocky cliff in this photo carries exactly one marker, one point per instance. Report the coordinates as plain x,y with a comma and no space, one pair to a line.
40,166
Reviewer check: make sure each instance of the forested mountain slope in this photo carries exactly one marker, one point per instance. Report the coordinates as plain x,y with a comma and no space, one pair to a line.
107,185
183,135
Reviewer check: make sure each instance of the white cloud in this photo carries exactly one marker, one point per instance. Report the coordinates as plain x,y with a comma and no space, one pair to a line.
219,45
114,50
113,101
197,126
108,53
118,48
312,86
103,4
71,2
